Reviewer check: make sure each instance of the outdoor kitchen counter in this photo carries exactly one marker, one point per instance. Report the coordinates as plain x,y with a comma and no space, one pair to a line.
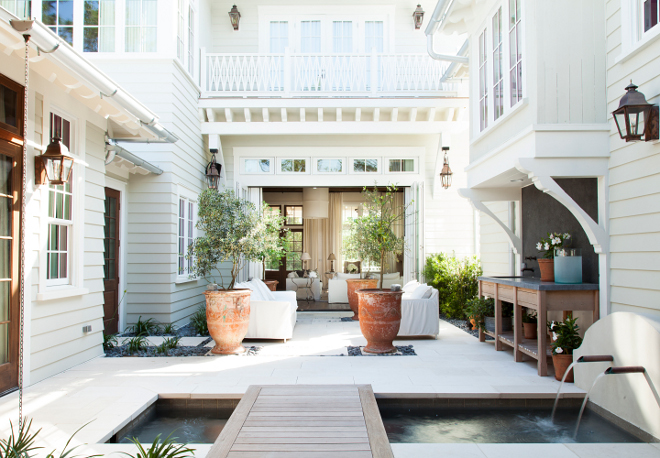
541,296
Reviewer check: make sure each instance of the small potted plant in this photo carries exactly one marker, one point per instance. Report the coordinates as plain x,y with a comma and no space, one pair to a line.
547,246
235,232
380,309
565,339
482,311
530,323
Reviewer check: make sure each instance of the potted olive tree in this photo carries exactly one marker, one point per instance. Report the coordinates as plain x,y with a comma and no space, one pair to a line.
380,310
235,233
359,245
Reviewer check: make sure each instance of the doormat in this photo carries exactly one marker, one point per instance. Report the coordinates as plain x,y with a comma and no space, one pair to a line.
401,350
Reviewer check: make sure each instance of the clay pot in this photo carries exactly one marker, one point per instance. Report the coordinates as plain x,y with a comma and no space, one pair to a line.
473,323
380,318
272,284
228,317
547,268
561,363
529,330
353,285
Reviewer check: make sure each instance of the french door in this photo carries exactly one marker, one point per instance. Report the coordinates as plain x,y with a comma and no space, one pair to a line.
111,265
10,217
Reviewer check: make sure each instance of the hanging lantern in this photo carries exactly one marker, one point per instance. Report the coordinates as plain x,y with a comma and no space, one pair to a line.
418,17
235,17
446,173
55,164
213,170
636,118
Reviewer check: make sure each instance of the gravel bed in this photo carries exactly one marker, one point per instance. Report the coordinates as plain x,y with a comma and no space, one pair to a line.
402,350
150,351
463,325
184,331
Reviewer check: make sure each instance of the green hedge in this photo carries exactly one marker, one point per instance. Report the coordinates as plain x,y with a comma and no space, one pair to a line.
456,281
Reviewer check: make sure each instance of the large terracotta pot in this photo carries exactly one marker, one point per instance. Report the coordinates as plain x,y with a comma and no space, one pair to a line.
228,317
547,268
353,285
272,284
380,318
530,330
561,363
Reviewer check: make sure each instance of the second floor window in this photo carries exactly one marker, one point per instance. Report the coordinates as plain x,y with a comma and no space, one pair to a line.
310,36
20,8
141,25
180,31
515,61
58,16
99,26
483,85
342,36
191,40
498,83
651,14
279,36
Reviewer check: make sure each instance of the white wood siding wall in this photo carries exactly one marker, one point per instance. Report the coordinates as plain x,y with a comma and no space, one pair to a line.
153,199
634,184
495,248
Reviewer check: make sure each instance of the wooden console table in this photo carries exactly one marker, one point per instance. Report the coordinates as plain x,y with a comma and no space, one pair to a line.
543,297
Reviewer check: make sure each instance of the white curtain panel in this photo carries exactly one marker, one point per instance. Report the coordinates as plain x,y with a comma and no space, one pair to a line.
107,26
17,7
342,36
310,36
141,25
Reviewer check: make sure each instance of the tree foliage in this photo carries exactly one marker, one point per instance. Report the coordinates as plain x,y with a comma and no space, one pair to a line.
456,281
235,231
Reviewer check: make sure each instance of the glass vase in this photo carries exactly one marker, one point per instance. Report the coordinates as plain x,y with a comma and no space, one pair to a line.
568,265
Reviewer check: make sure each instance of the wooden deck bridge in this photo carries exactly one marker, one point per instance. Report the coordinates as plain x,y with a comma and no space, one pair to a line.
310,421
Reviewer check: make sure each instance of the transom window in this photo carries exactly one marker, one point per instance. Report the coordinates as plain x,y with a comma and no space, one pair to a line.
99,26
293,214
258,166
329,165
293,165
402,165
365,165
650,14
58,15
141,25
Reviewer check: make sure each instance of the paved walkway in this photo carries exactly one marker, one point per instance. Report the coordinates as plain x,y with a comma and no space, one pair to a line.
110,392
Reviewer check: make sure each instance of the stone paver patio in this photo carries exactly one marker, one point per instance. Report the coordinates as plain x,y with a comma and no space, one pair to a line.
110,392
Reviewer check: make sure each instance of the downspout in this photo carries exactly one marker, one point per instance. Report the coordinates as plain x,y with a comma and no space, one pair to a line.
47,42
115,150
454,65
437,19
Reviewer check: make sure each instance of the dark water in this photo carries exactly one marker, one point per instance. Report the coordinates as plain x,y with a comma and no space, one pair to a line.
192,426
499,426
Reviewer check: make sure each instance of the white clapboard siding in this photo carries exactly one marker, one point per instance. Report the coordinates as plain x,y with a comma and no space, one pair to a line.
634,187
495,248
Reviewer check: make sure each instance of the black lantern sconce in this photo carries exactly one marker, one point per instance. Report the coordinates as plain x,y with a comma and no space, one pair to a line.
213,170
235,17
446,173
418,17
636,119
55,165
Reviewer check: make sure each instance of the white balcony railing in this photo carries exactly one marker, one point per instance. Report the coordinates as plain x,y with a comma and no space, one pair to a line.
370,75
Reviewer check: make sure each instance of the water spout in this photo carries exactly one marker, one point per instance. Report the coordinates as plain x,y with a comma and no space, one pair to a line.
581,359
615,371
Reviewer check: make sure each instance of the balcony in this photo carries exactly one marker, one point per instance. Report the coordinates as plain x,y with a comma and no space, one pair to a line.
324,75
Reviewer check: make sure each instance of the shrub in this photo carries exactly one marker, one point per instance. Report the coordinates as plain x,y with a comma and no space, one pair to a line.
109,341
169,329
456,282
161,449
479,308
145,328
198,321
136,344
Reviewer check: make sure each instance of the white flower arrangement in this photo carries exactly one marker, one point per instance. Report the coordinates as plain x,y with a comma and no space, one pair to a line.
553,240
351,268
559,350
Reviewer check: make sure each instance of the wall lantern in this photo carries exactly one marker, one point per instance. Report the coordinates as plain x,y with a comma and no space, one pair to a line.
54,165
418,17
446,173
636,118
213,170
235,17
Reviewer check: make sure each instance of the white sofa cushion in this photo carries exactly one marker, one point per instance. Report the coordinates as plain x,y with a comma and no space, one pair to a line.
420,291
342,276
265,291
410,286
256,294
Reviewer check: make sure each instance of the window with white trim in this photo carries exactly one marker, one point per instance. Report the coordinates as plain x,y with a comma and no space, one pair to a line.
342,36
186,234
364,165
483,84
20,8
293,165
329,165
310,36
401,165
60,216
99,26
515,52
180,27
141,25
257,166
58,16
498,73
191,40
650,14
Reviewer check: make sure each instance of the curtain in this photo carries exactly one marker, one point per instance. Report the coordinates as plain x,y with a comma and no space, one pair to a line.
107,26
391,259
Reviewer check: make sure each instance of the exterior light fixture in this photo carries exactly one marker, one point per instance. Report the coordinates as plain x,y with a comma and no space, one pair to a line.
55,164
235,17
418,17
446,173
213,170
636,118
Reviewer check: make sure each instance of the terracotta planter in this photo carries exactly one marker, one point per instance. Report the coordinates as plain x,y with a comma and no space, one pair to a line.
473,323
353,285
272,284
561,363
529,330
380,318
547,268
228,317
